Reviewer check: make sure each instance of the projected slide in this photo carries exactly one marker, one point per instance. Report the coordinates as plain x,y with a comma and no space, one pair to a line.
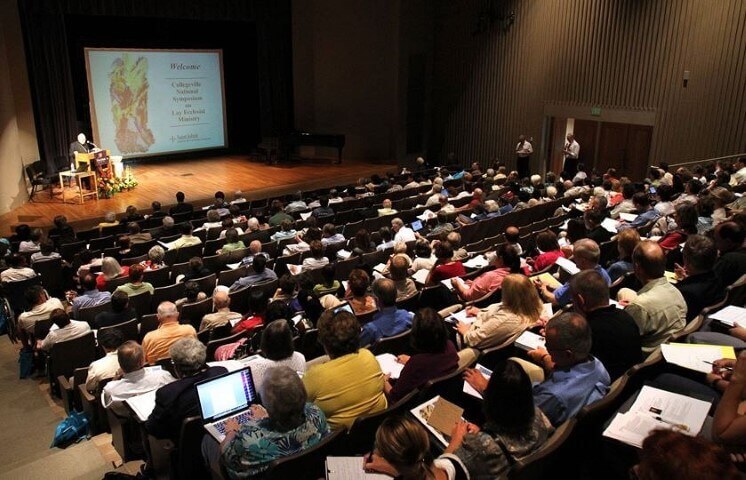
148,102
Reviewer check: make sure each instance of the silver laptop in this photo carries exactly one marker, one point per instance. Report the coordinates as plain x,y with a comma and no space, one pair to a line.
228,396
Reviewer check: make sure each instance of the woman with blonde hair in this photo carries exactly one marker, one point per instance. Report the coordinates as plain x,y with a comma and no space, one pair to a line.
626,242
501,323
110,269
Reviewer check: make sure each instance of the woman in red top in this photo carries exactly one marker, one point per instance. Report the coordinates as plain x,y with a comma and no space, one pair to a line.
546,242
445,267
685,217
110,269
257,306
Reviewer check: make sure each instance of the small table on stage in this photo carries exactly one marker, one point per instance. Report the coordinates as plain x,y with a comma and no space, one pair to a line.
79,176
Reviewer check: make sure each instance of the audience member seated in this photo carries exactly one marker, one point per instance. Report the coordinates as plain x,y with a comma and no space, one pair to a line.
362,241
593,218
110,269
285,232
65,330
387,239
131,215
196,270
18,271
90,297
645,212
62,230
178,400
697,280
575,378
357,292
626,240
424,259
157,212
181,206
213,220
110,220
136,236
505,260
501,323
221,303
108,366
329,235
402,450
513,428
351,383
231,241
685,217
258,301
434,356
549,251
156,255
317,258
616,338
278,214
260,274
168,228
731,264
405,286
46,252
156,344
287,292
33,244
401,232
192,294
586,255
186,239
284,425
389,320
120,312
512,237
124,245
323,210
136,286
255,248
41,305
277,350
659,309
328,285
459,254
445,266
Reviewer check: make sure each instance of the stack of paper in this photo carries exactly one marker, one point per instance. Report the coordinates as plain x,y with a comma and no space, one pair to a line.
426,215
730,316
609,224
655,408
233,266
389,365
350,468
529,341
627,217
477,262
486,373
294,269
695,357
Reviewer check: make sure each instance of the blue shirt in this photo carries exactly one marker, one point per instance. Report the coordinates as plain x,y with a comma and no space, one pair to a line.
563,295
566,391
91,298
619,269
254,278
386,323
641,220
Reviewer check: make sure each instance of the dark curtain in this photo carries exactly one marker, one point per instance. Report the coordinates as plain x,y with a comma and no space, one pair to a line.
48,60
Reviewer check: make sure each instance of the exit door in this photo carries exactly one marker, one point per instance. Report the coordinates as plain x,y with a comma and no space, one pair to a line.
624,147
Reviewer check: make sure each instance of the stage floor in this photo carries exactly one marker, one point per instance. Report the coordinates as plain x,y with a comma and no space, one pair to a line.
199,179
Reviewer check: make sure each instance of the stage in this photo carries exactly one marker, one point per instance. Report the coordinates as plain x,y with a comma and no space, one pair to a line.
199,179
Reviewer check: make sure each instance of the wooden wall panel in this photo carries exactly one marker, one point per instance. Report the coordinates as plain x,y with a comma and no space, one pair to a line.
627,55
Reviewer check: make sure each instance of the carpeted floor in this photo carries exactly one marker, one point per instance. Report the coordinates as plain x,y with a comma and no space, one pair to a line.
29,418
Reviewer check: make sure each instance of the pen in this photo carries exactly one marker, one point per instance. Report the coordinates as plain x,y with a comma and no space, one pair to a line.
729,369
679,426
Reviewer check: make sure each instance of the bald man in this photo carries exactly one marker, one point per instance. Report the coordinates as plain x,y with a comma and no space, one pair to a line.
586,254
659,308
221,303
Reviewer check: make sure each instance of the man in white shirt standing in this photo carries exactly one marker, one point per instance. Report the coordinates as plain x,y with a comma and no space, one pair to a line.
571,153
402,233
523,152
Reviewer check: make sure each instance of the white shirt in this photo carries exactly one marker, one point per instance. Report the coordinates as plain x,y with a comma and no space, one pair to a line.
27,320
573,148
133,384
17,274
102,369
71,331
524,149
405,234
296,362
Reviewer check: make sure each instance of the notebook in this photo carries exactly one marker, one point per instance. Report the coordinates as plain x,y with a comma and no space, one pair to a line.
228,396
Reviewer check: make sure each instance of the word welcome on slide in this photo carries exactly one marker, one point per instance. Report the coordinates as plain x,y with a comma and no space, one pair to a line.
148,102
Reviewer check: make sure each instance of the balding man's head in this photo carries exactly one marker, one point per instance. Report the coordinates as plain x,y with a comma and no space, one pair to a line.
568,339
586,253
167,312
130,356
385,290
220,299
255,247
454,238
649,261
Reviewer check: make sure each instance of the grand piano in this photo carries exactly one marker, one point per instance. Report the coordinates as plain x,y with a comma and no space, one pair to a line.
297,139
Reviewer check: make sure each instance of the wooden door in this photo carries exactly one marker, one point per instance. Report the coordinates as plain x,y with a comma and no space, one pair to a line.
585,134
625,147
556,143
638,150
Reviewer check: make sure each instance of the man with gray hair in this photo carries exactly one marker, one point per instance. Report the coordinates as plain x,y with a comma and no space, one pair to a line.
586,254
136,380
389,320
178,400
167,229
401,232
221,303
700,287
574,377
156,344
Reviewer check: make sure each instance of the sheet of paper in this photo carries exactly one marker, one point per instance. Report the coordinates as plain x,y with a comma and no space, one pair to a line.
420,276
609,224
389,365
343,254
695,357
444,416
486,373
344,284
547,311
567,265
380,267
233,266
350,468
294,269
529,341
477,262
305,215
627,217
142,405
426,215
564,224
549,280
730,315
461,316
616,304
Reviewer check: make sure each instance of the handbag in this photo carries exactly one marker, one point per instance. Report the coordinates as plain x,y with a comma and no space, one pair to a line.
71,430
25,362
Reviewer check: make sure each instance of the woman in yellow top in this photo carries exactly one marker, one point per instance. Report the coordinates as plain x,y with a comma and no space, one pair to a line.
501,323
351,383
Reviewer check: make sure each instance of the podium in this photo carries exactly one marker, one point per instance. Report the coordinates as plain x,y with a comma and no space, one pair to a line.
93,161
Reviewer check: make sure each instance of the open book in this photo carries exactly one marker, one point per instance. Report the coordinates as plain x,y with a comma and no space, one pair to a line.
529,341
349,468
438,415
656,408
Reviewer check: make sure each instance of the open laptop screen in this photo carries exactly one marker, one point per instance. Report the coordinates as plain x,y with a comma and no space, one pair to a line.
224,395
417,225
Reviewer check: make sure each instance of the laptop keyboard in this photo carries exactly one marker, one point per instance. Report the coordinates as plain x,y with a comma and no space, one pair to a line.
241,418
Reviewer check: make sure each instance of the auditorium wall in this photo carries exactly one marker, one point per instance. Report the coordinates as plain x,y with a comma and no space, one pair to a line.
571,55
18,144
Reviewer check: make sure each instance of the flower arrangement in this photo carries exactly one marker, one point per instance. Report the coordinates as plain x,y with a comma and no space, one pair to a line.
109,185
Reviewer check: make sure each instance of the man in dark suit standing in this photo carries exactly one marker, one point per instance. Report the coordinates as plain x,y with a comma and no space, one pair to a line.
178,400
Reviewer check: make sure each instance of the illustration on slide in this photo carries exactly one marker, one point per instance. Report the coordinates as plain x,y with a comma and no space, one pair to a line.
129,104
